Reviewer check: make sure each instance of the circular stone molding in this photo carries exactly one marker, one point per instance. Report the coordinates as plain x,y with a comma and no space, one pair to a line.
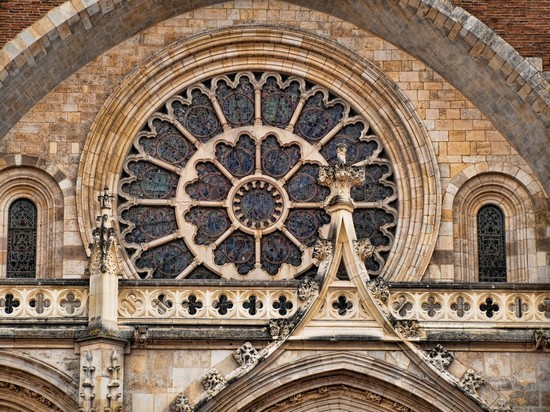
341,81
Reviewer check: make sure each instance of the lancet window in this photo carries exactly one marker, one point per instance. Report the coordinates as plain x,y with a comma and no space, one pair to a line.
22,226
491,244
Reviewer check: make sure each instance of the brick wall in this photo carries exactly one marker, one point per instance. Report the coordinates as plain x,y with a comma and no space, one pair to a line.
525,24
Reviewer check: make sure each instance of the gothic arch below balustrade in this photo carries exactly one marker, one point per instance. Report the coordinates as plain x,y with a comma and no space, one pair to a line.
344,381
30,385
292,52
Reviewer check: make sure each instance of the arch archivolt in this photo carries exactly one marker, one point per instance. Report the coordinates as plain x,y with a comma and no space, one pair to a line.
26,180
358,82
513,190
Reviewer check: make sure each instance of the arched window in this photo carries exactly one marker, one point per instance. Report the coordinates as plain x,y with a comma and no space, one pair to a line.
491,244
22,225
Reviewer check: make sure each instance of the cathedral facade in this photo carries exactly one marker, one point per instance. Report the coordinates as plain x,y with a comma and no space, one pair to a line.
260,205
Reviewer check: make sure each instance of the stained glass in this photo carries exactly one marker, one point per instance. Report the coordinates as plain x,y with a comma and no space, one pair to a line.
167,261
202,272
357,150
168,145
303,186
199,118
317,118
22,224
491,244
239,160
237,104
150,223
276,250
152,182
276,160
368,224
211,224
278,104
212,185
238,248
304,224
374,188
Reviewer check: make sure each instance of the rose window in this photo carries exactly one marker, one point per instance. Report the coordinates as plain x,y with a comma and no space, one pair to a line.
222,181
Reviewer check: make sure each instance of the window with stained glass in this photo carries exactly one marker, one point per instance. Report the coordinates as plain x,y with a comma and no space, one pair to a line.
491,244
22,224
222,180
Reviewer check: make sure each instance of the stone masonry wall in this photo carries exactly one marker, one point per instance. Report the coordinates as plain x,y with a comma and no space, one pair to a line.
56,128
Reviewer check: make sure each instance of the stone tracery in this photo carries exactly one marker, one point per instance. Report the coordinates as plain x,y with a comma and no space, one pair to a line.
225,175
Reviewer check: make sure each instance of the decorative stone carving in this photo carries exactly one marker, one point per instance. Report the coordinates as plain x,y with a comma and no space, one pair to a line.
409,328
246,355
340,178
542,339
104,245
379,289
322,250
141,333
88,371
363,249
440,357
28,393
213,381
181,404
87,395
400,408
373,397
307,288
471,381
280,328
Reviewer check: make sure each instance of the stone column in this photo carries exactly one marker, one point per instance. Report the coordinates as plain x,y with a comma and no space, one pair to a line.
101,348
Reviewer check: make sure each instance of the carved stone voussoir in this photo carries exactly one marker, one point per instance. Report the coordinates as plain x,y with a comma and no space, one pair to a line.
181,404
379,289
440,357
212,381
246,355
471,381
322,250
307,288
409,328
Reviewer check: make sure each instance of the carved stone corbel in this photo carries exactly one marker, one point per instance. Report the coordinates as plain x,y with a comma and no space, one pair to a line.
141,334
542,339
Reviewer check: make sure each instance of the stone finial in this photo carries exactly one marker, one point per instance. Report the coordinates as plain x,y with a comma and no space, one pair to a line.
340,178
104,243
105,200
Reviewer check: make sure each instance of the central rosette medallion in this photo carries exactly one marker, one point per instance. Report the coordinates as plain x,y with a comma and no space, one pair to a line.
258,205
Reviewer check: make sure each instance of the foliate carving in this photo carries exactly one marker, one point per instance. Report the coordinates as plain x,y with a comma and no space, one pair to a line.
379,289
213,381
400,408
21,391
373,397
542,339
246,355
340,178
307,288
440,357
471,381
322,250
280,328
181,404
363,249
409,328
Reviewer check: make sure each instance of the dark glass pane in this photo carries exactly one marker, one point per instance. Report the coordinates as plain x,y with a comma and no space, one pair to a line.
278,104
276,250
491,244
199,118
211,224
211,185
303,186
202,272
239,160
373,189
276,160
167,261
238,248
22,223
358,150
150,223
304,224
317,119
152,182
168,145
237,104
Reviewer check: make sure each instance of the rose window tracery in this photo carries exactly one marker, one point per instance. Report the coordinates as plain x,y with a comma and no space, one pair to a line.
222,181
